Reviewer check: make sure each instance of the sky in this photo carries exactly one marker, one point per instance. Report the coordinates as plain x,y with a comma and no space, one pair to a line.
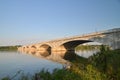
32,21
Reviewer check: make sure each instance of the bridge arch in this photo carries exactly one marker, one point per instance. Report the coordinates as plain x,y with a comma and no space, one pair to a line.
67,46
33,46
45,48
27,46
70,48
70,45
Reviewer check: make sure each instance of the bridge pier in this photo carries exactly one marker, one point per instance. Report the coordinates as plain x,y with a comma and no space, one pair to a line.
61,50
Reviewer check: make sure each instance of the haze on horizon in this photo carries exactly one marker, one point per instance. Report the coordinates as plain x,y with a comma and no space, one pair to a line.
32,21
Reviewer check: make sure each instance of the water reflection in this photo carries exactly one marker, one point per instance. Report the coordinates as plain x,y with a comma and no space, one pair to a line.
70,55
62,56
12,62
56,56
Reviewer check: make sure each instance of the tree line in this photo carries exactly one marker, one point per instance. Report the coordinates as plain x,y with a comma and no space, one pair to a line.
9,48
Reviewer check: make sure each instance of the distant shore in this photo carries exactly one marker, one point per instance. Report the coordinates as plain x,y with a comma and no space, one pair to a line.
9,48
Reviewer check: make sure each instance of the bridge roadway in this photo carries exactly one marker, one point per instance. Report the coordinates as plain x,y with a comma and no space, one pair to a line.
109,37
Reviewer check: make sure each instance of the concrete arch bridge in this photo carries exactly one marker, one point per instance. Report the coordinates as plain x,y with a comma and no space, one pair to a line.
109,37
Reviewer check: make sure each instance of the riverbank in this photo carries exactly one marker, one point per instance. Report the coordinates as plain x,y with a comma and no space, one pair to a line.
104,65
89,47
9,48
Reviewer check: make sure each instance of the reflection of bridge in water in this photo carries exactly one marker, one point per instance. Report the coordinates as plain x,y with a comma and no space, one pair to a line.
65,47
46,55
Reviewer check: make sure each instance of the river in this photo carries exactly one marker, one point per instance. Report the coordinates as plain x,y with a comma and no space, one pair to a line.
12,62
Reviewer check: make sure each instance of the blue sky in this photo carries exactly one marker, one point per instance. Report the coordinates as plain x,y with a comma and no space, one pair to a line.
29,21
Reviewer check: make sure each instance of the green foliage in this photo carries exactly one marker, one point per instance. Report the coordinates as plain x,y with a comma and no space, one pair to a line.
88,72
87,47
113,64
9,48
6,78
58,74
99,60
107,61
90,47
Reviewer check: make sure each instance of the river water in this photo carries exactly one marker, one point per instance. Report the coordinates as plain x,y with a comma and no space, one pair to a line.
12,62
86,53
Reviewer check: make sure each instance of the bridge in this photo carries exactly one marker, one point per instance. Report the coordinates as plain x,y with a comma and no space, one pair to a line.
64,45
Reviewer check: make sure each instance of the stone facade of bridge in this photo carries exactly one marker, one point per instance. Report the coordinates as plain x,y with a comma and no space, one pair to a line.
109,37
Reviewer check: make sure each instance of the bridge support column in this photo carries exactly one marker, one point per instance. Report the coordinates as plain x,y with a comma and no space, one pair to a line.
59,50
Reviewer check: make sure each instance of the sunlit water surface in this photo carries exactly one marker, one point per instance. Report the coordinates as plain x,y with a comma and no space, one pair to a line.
12,62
